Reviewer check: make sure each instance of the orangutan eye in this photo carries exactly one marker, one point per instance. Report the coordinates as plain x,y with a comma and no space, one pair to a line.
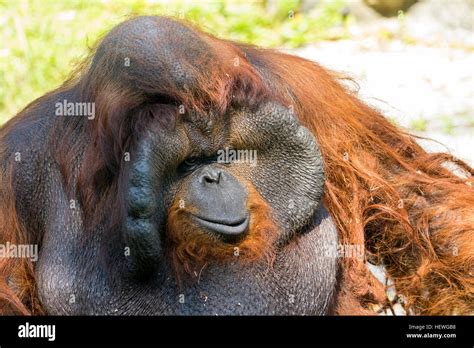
189,164
191,161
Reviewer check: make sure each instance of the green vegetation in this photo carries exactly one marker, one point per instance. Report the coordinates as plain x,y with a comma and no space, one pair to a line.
448,125
419,125
42,40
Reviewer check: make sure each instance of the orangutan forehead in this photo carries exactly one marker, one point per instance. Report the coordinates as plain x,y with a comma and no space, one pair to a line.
154,56
157,53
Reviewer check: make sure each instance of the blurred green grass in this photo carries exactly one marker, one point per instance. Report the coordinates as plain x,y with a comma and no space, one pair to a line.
41,41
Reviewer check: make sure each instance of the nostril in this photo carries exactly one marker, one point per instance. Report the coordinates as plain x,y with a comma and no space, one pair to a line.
208,179
211,176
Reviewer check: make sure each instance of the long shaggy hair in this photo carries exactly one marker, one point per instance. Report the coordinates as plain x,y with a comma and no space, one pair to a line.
17,279
414,216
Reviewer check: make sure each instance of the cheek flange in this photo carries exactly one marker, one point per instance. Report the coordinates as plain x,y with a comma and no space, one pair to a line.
140,227
289,173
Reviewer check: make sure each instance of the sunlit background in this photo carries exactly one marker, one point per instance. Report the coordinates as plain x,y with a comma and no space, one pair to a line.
413,60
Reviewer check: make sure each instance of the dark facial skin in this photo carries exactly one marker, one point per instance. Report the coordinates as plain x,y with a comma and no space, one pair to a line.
80,274
220,201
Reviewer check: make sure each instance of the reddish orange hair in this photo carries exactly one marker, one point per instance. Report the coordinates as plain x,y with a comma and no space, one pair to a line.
17,279
384,191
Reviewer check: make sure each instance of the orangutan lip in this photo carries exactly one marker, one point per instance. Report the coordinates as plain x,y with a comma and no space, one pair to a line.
226,228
